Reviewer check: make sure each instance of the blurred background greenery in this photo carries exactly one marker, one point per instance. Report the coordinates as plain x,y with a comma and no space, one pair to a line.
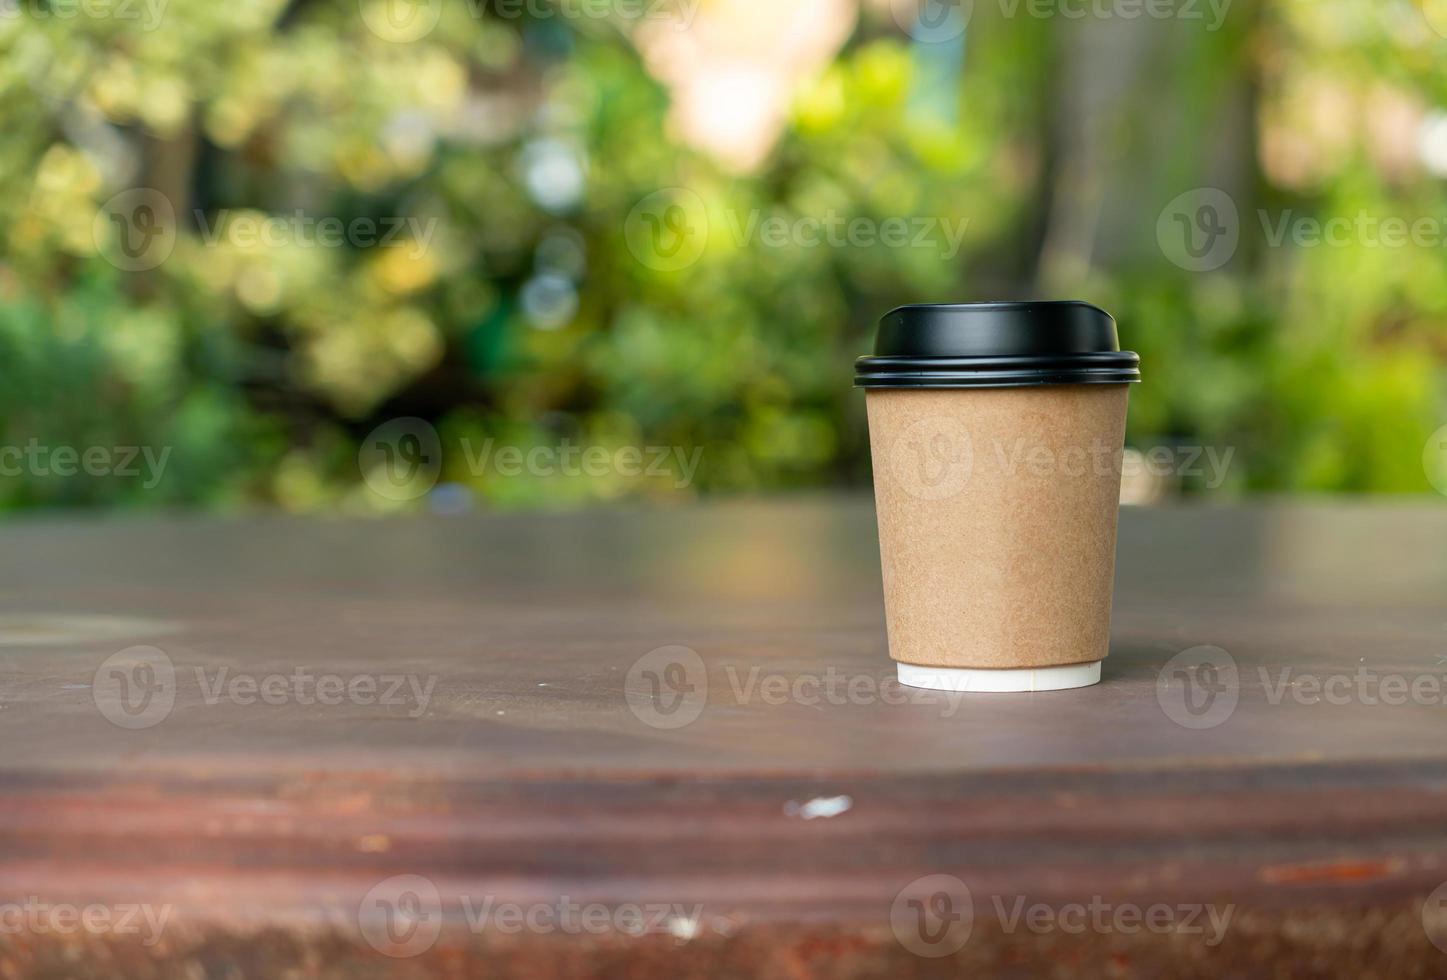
510,151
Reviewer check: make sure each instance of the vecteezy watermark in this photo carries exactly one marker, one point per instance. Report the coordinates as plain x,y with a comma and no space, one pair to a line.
933,21
402,460
144,463
1097,915
300,230
404,21
934,915
935,457
1201,230
147,14
667,688
678,13
1434,460
136,688
302,686
832,687
570,459
401,21
936,21
1199,688
402,916
136,230
35,917
1435,13
1434,917
834,230
1363,229
1209,464
1364,686
667,230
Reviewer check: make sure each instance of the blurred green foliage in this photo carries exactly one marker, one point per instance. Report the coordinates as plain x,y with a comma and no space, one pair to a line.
522,316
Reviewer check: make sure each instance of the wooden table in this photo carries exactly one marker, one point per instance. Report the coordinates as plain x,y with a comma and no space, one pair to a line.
501,746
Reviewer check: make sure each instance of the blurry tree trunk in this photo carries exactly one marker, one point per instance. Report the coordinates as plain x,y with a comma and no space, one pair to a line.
169,166
1102,205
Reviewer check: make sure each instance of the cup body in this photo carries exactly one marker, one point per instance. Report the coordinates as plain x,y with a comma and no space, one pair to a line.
997,512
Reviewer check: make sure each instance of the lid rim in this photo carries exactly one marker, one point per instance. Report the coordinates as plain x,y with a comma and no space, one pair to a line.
905,384
1105,367
996,344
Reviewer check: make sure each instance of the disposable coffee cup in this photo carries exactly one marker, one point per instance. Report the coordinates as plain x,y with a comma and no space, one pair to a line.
997,431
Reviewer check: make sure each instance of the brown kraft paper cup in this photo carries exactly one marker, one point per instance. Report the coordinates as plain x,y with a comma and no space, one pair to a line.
997,522
997,510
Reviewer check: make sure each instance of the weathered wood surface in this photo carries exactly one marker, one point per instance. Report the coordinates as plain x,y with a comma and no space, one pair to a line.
516,763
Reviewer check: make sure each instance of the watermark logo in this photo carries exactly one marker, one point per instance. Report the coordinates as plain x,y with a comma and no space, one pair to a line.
249,230
401,916
667,688
1199,688
148,13
668,230
680,13
834,687
1020,458
570,459
37,917
142,463
933,457
1211,12
1363,229
401,21
401,459
135,231
1363,686
1435,13
1126,918
404,21
1434,917
933,916
135,688
1209,464
833,229
1200,230
1434,460
933,21
302,686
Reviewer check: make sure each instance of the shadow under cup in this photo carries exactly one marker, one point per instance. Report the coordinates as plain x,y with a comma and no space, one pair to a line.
997,433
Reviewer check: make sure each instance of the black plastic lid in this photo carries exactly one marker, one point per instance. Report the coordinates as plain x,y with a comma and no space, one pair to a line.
996,345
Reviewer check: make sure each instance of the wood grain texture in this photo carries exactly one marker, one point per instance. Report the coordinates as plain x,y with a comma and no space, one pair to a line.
788,815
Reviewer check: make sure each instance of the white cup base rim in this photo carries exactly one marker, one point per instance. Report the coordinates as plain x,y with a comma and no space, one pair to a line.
1007,681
